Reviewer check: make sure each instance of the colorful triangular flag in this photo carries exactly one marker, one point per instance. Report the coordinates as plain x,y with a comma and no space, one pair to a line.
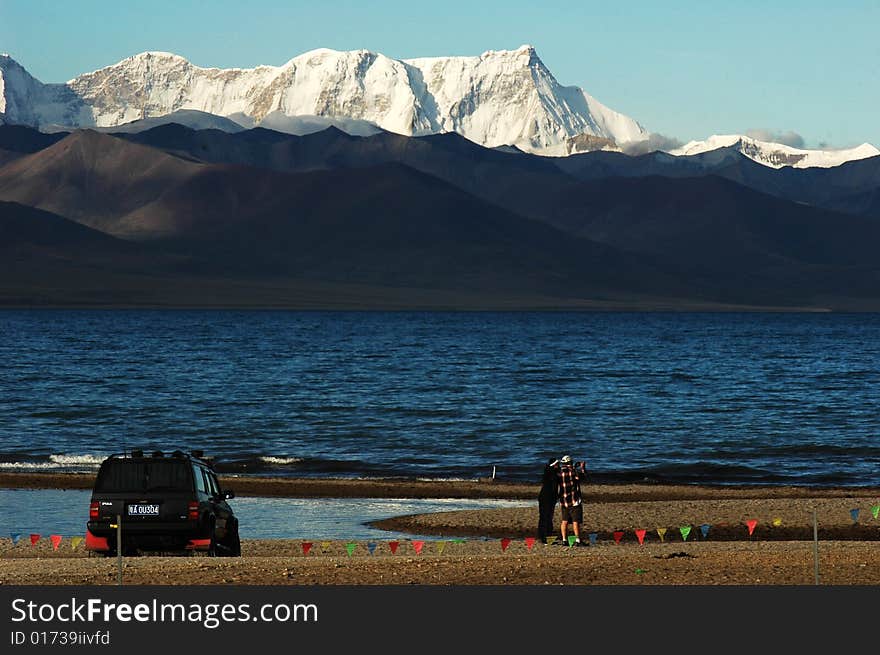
640,535
56,541
875,510
854,514
325,546
371,546
505,542
34,539
551,540
459,541
440,546
704,529
306,546
618,535
593,536
530,541
418,546
15,537
74,542
751,523
661,532
777,522
393,546
349,547
571,539
685,531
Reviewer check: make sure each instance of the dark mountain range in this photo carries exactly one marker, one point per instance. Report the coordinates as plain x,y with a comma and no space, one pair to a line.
434,220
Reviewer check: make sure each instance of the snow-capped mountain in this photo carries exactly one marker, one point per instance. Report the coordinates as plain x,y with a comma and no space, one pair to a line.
777,155
499,98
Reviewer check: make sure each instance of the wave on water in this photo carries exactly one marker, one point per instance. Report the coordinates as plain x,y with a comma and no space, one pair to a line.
54,463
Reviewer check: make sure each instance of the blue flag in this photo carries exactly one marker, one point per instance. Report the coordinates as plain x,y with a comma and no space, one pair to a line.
593,537
371,547
15,537
854,513
704,529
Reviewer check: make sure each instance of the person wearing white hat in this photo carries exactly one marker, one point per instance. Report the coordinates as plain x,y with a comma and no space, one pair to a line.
570,501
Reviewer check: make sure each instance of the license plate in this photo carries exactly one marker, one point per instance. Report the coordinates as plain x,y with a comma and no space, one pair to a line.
141,509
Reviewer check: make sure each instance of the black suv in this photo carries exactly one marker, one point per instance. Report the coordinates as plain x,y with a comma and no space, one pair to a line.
165,503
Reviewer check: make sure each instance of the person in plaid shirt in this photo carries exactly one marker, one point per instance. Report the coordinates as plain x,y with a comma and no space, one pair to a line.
570,505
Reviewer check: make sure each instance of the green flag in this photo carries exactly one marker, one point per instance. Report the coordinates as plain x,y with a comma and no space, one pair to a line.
875,510
571,539
685,531
350,548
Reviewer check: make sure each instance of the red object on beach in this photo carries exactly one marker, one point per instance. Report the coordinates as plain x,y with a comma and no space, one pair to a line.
56,540
307,546
751,523
505,542
530,541
34,539
418,546
97,544
641,535
393,546
618,535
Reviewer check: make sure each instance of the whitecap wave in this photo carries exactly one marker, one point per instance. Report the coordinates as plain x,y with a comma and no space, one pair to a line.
268,459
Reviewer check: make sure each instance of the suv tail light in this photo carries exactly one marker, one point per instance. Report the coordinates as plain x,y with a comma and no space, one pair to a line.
93,510
193,511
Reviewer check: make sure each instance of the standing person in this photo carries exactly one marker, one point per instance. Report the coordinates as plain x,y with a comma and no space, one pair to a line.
570,505
547,500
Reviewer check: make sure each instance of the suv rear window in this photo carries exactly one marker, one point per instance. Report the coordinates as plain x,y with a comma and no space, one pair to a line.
132,475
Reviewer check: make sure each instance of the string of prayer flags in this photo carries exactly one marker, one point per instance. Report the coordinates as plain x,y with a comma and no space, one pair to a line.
618,535
593,537
34,539
530,541
777,522
15,537
571,539
685,531
371,546
74,542
349,547
505,542
56,541
854,514
418,546
661,532
751,523
640,535
306,546
440,546
875,510
393,546
704,529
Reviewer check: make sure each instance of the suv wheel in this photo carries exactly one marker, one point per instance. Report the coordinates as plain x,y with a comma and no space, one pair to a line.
233,544
212,535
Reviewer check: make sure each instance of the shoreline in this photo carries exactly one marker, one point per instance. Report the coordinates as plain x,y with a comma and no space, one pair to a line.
778,549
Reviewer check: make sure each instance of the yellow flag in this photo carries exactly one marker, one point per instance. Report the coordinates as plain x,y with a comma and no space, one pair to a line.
74,542
550,540
661,532
325,546
777,522
440,546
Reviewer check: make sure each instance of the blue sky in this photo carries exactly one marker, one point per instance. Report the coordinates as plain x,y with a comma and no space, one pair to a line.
684,69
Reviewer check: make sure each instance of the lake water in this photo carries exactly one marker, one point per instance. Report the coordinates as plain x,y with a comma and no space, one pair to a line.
702,398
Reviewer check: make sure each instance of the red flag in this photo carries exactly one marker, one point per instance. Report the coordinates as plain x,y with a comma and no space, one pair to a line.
393,546
505,542
307,546
618,535
530,541
34,539
56,539
418,546
751,523
641,535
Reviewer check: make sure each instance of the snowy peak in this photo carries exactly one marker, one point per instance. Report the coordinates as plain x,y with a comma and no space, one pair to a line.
498,98
778,155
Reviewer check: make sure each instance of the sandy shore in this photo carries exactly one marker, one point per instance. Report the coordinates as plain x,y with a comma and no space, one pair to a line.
493,547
